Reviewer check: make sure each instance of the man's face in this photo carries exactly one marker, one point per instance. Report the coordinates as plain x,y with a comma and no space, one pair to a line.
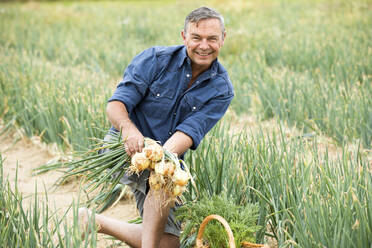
203,41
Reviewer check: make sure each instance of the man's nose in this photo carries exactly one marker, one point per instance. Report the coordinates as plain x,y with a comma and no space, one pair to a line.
204,44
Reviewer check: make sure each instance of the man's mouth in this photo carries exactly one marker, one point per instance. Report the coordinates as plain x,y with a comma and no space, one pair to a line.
203,54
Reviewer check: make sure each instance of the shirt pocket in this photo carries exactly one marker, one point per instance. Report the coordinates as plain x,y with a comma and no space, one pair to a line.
161,93
193,103
159,102
190,105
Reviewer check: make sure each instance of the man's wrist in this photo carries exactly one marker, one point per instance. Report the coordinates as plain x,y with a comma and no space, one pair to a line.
125,124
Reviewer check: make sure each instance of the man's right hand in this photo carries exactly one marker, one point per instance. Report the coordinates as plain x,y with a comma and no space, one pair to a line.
119,118
133,139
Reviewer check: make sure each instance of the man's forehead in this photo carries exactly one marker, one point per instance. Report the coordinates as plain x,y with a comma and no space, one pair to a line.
208,35
204,20
212,24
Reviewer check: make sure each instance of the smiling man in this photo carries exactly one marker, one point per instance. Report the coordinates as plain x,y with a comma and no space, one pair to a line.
174,95
203,40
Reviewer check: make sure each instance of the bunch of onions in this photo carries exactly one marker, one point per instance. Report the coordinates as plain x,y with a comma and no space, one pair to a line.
166,172
150,155
103,170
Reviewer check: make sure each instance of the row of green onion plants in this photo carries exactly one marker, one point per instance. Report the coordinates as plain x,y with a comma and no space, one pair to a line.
305,63
30,222
307,196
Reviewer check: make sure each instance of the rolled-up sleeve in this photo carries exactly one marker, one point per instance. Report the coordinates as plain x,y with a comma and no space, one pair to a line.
136,79
198,124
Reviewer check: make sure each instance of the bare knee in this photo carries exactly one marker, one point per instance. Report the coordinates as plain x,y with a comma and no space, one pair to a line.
169,241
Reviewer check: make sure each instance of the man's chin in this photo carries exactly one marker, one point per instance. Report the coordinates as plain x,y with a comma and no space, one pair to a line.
203,63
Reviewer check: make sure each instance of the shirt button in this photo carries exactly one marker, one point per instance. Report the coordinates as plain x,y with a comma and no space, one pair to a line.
170,133
193,108
187,75
158,95
174,113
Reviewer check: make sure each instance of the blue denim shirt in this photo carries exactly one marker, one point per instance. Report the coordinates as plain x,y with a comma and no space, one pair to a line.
154,91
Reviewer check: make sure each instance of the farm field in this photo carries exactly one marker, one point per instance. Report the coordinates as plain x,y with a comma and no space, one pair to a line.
296,142
28,154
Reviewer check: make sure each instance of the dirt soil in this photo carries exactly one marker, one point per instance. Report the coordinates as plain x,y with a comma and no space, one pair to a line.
28,154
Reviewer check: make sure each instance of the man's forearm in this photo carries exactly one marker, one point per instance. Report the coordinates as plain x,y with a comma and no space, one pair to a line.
178,143
118,115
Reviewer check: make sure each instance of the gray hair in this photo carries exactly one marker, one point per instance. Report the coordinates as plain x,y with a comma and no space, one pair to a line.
203,13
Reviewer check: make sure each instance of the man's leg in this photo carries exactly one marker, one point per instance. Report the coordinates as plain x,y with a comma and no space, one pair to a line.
155,215
126,232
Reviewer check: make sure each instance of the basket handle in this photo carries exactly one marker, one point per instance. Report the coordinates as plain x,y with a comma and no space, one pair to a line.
199,238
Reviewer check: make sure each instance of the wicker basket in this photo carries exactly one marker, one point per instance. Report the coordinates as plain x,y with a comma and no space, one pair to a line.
199,238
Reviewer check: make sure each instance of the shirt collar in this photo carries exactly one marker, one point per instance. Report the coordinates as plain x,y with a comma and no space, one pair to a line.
214,67
183,57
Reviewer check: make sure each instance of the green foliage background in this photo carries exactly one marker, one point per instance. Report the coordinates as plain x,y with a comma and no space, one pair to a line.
306,64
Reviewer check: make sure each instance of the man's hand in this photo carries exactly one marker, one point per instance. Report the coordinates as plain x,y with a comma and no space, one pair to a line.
133,139
119,118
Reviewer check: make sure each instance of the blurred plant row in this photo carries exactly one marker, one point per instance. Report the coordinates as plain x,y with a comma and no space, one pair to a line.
305,63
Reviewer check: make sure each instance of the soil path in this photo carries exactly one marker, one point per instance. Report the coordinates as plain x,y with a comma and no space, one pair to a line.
28,154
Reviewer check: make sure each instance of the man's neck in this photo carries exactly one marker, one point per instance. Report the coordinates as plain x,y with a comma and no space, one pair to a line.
197,70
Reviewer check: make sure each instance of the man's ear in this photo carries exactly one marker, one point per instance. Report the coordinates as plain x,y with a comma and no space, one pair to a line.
223,38
183,34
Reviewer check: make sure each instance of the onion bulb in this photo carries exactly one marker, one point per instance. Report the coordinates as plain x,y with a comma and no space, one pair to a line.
178,190
169,168
159,168
180,177
154,152
165,168
139,162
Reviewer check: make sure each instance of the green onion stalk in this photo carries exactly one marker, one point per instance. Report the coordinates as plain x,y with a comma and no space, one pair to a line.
101,168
